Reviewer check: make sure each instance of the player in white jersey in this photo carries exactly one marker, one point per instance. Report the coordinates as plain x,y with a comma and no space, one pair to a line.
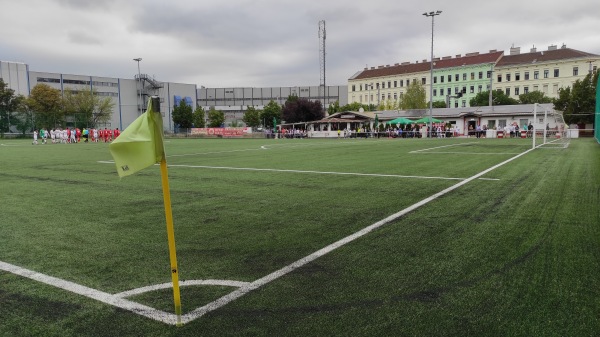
35,137
95,135
53,136
73,136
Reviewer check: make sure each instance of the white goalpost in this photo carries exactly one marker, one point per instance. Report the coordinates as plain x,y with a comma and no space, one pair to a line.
549,129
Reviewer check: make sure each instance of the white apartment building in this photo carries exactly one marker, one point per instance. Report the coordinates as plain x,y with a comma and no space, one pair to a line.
545,71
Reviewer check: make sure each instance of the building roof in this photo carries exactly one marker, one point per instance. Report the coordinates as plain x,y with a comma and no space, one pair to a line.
440,113
534,56
445,62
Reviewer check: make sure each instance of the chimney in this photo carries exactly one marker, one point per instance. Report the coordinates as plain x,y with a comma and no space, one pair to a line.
533,49
472,54
552,47
457,56
372,68
446,57
564,46
493,51
405,63
379,67
515,50
396,64
436,59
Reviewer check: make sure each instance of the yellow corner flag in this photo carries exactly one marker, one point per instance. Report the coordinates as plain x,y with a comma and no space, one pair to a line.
140,145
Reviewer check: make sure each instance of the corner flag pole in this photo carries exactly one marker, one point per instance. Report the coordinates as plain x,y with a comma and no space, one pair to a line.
171,237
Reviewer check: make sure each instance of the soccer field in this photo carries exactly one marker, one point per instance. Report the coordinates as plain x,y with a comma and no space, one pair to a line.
329,237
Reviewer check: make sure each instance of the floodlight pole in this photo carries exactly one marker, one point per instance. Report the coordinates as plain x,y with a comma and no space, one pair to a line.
139,82
432,15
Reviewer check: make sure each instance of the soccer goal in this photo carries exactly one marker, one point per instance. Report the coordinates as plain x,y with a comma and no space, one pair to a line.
550,129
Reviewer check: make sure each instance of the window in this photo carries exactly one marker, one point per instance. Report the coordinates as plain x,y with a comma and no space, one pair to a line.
449,78
472,89
501,123
434,92
546,73
360,87
48,80
517,76
395,96
464,103
507,92
491,123
487,87
516,91
536,88
455,90
456,104
489,74
545,89
525,90
401,83
441,79
448,91
382,85
499,78
377,85
472,76
456,78
575,71
464,90
389,84
526,75
555,72
479,88
555,88
481,75
507,77
395,84
464,76
536,75
434,79
423,80
414,81
353,87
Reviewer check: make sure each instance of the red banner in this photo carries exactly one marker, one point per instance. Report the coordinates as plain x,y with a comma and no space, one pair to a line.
223,132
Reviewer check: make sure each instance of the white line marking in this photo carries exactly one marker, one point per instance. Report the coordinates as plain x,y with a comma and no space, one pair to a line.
137,291
301,171
312,172
477,153
199,312
439,147
98,295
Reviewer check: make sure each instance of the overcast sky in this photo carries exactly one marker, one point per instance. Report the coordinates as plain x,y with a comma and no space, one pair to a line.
255,43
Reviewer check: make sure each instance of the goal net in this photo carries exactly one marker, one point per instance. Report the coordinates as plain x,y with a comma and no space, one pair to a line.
551,131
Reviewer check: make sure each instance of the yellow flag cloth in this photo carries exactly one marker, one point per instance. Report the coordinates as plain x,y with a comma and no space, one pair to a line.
140,144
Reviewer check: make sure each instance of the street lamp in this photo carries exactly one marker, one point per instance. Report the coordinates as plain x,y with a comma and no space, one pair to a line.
140,81
432,15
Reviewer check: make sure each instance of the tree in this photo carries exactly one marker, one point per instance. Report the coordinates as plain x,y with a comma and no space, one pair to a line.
46,104
87,108
216,118
199,118
414,98
9,103
252,117
535,96
183,115
333,108
355,106
302,110
578,103
498,98
270,111
439,104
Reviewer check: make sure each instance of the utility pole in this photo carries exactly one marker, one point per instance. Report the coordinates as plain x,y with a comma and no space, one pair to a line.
432,15
322,82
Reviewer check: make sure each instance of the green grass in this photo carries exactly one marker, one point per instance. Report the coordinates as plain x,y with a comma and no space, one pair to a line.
517,256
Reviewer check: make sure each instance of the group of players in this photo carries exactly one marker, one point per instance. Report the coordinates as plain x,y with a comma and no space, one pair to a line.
71,136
